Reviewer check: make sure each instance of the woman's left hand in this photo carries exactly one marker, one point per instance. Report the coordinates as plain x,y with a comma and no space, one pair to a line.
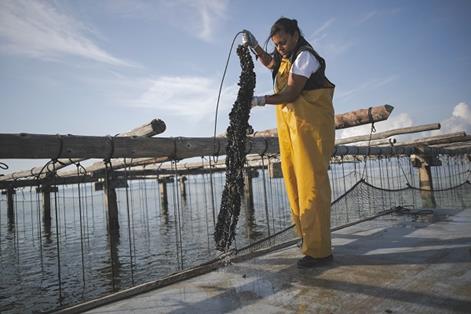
258,101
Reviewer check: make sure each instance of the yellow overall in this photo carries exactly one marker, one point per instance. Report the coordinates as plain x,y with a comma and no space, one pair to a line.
306,134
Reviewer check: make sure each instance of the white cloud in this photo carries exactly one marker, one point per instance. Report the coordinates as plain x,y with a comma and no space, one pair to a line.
190,97
320,33
459,121
38,30
463,112
373,83
210,12
198,18
367,17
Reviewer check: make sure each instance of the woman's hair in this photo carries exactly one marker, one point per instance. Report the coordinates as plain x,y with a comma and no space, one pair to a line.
285,24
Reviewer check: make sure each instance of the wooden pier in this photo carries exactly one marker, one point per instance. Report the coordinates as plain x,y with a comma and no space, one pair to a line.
392,264
136,155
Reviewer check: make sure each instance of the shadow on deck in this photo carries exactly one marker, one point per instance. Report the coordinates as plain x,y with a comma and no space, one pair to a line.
390,265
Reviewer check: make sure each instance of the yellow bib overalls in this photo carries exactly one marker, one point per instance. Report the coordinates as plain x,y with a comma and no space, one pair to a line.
306,134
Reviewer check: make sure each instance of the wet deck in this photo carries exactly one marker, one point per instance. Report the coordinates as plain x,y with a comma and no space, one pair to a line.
388,265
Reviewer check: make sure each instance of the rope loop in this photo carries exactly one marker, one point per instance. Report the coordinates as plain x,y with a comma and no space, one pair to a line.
370,118
80,168
3,166
217,153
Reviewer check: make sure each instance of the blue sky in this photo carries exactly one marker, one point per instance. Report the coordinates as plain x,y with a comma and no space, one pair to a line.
104,67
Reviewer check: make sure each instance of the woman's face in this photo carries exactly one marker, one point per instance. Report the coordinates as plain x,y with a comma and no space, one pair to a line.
284,42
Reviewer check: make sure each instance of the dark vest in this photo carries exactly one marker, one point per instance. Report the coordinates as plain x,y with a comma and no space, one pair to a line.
318,79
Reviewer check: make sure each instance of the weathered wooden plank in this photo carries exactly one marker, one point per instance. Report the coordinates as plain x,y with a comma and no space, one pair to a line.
17,146
156,126
348,119
434,140
463,141
340,150
363,116
389,133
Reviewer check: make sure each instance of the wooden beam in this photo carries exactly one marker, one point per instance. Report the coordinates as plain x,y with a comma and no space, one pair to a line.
433,140
156,126
362,116
99,166
30,146
457,145
383,142
465,140
348,119
359,117
47,181
340,150
389,133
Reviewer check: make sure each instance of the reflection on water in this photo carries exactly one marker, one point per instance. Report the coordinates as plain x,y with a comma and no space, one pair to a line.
152,240
155,238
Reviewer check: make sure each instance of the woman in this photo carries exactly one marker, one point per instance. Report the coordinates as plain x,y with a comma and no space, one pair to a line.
306,133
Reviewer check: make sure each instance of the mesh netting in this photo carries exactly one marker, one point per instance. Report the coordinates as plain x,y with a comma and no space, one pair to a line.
364,201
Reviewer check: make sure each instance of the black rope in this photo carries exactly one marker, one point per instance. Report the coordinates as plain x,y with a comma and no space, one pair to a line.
205,198
57,241
108,173
178,215
78,165
61,147
219,92
402,210
111,151
265,195
174,157
370,118
372,130
265,148
129,221
3,166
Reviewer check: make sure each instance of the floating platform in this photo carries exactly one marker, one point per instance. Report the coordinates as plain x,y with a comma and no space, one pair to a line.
393,264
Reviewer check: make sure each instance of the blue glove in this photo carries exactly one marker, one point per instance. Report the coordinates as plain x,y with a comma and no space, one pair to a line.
248,39
258,101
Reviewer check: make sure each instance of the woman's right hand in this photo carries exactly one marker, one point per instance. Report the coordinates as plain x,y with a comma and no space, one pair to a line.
248,39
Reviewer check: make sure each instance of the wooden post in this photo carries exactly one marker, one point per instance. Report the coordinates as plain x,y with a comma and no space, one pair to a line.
274,169
46,190
163,195
248,189
112,205
10,205
425,178
46,204
182,184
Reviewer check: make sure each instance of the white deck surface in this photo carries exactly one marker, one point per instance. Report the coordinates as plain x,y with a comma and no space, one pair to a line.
388,265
